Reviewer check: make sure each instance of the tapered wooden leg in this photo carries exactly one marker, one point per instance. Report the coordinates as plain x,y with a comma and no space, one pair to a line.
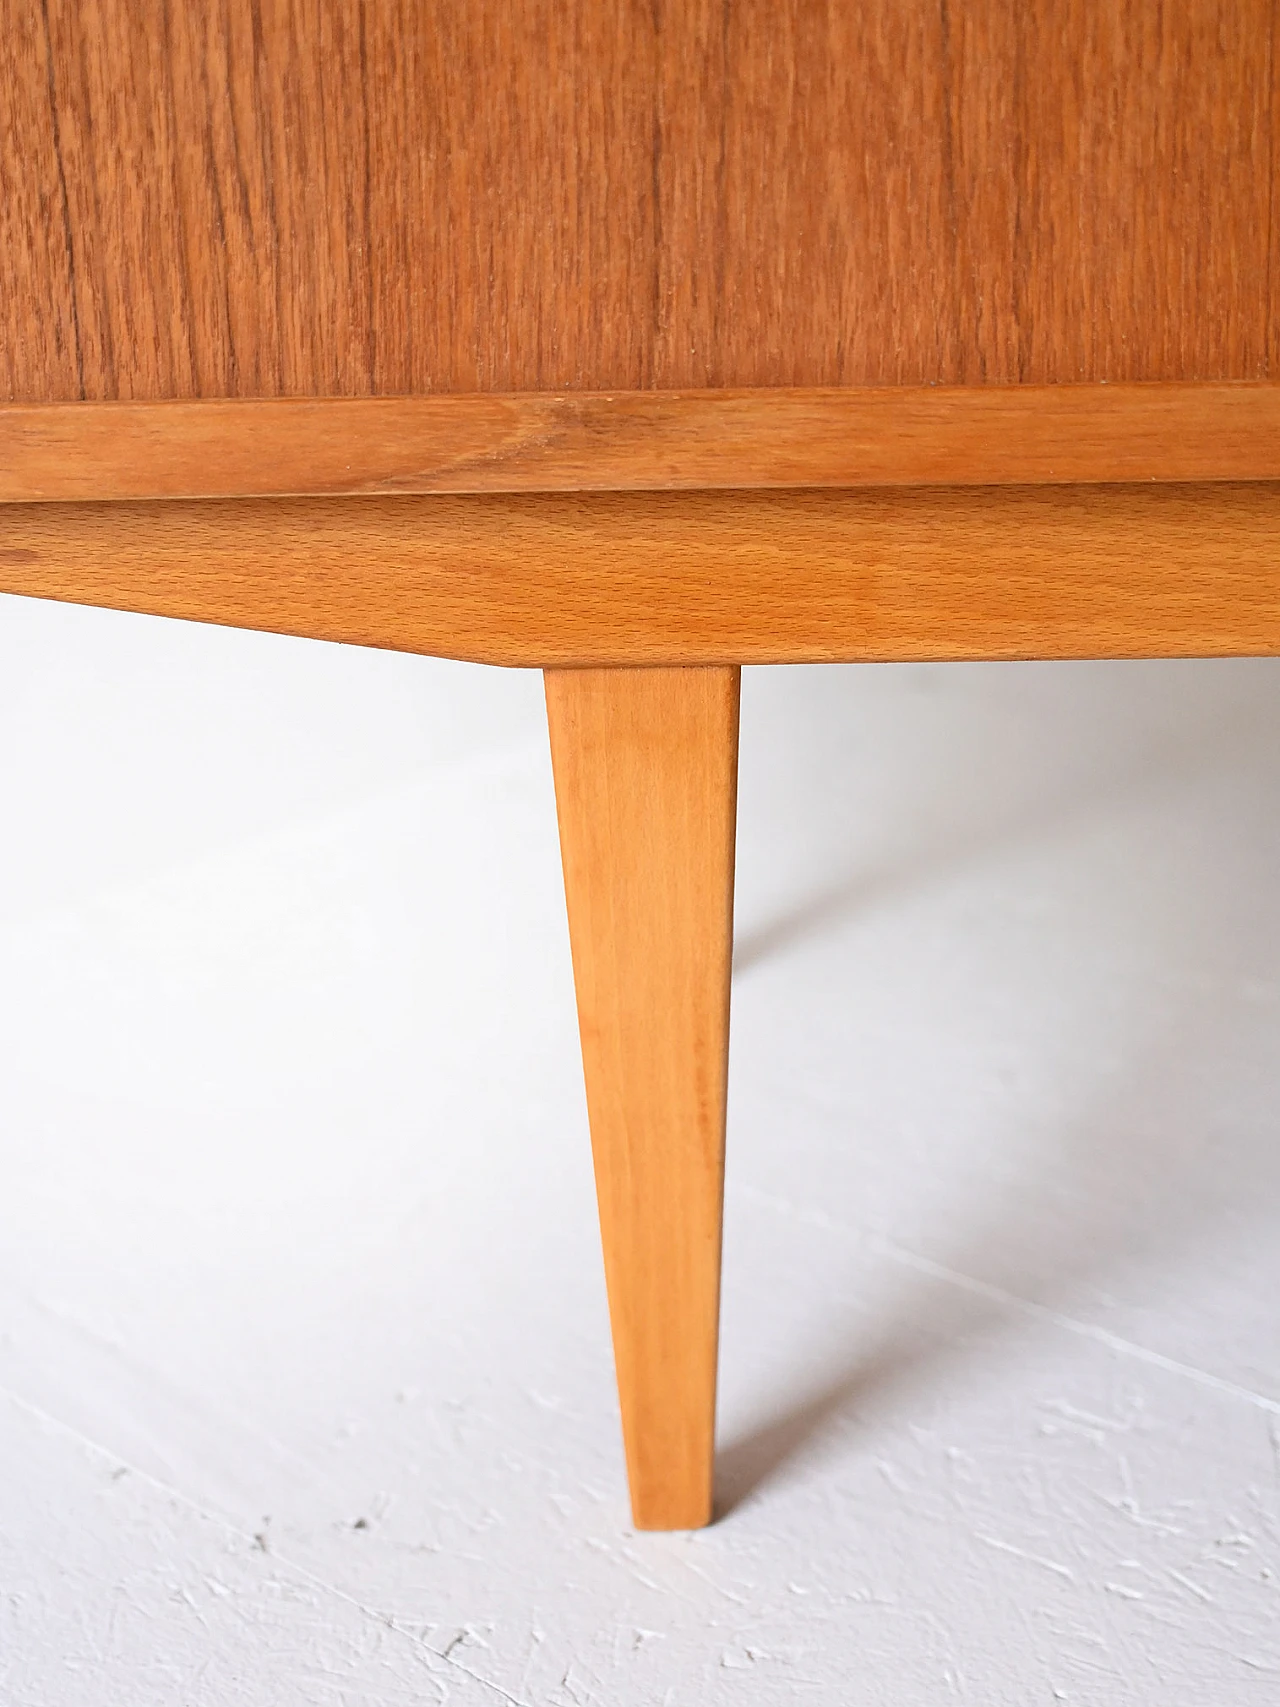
646,778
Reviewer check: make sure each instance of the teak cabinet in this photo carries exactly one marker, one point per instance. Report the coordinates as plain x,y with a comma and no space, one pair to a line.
637,343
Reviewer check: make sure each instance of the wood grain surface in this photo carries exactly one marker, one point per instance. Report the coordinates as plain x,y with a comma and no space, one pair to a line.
691,578
646,766
645,440
354,197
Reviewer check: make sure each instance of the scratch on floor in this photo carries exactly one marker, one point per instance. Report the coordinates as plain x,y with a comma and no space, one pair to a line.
1191,1587
1031,1558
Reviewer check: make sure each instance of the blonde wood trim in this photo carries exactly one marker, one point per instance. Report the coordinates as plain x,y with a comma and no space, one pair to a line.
695,578
641,440
646,777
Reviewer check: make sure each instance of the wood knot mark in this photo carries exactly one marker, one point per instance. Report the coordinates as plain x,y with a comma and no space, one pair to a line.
18,554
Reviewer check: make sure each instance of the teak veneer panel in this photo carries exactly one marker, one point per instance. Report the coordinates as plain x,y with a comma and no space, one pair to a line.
691,578
311,197
944,435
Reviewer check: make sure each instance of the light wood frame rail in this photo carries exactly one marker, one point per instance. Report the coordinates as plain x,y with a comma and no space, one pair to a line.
691,578
653,528
642,441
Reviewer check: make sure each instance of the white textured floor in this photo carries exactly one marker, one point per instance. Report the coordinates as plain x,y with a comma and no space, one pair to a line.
308,1395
